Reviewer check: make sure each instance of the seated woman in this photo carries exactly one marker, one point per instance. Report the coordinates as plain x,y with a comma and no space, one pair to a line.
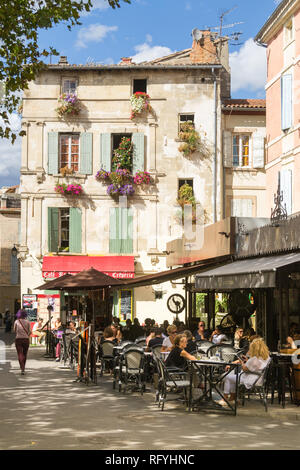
259,358
108,335
168,342
116,332
178,355
241,341
191,344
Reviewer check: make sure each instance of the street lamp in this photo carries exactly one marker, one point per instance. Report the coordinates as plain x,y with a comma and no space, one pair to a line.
14,251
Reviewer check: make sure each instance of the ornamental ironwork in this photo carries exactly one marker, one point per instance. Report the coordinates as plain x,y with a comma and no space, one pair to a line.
279,212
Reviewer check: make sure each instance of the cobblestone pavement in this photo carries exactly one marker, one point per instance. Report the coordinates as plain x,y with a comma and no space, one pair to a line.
47,409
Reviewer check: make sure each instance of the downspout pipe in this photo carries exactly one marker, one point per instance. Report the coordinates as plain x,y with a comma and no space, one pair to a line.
215,148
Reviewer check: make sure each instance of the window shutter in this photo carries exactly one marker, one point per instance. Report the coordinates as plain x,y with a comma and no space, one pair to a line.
227,149
75,230
14,270
115,230
258,152
286,188
53,153
138,140
105,159
127,230
286,101
86,152
53,217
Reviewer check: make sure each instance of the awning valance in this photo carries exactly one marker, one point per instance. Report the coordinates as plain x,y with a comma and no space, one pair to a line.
118,267
252,273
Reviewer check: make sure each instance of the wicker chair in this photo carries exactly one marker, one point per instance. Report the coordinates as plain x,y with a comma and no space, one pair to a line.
259,387
132,370
106,355
170,381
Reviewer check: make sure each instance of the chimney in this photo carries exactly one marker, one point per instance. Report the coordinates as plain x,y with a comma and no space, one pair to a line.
126,61
204,50
63,60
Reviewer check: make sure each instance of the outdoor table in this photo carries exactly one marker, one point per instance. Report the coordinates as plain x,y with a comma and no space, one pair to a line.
212,373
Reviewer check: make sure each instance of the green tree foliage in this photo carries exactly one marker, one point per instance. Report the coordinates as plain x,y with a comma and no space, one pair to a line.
21,59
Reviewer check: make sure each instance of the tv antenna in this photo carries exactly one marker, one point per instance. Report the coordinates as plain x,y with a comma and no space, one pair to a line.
233,36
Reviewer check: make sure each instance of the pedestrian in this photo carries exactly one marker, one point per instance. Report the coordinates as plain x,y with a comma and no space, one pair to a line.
7,321
23,332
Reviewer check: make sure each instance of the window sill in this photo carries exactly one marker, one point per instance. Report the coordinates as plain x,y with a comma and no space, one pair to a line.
76,176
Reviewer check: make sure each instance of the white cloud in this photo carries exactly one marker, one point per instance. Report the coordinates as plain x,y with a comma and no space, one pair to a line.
97,5
93,33
146,52
248,67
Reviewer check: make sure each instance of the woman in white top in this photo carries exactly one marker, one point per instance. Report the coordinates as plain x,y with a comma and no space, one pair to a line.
259,358
23,332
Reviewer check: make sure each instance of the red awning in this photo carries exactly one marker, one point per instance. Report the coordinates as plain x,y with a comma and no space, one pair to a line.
118,267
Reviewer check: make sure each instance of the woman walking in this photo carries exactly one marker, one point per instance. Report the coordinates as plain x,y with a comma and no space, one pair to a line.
23,332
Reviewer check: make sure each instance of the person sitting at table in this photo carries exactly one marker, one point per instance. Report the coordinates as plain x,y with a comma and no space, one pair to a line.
108,335
191,344
157,340
201,333
137,331
127,331
71,328
178,355
116,332
169,340
241,342
258,359
37,330
294,336
218,336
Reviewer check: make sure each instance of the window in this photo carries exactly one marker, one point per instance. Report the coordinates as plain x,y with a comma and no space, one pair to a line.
286,102
139,84
241,150
110,142
69,151
64,229
241,207
186,118
69,85
181,182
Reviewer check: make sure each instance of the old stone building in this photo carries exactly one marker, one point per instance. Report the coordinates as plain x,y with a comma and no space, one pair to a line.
177,141
10,216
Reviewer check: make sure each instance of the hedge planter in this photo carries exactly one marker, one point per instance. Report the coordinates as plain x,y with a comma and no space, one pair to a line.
69,189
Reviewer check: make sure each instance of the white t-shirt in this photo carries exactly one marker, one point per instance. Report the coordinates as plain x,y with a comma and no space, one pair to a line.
217,339
167,343
254,364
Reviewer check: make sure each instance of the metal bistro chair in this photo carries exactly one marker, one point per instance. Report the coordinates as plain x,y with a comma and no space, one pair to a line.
117,366
257,388
227,353
141,341
132,370
170,381
203,346
107,355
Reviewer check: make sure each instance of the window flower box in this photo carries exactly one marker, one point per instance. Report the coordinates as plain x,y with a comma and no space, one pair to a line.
122,182
140,102
68,105
69,189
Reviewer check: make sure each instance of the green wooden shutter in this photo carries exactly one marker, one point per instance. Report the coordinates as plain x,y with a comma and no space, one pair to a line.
75,230
53,218
138,140
86,153
127,231
53,153
114,230
105,144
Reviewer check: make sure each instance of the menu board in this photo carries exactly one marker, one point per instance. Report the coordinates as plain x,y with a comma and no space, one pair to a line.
29,302
125,304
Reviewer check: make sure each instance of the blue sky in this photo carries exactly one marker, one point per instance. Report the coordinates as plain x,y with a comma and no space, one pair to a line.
148,29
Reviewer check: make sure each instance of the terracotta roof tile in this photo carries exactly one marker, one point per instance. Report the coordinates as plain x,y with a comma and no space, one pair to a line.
244,103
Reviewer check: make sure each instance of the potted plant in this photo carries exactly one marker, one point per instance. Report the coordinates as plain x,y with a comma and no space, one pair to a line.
123,155
69,189
190,137
186,197
68,105
140,102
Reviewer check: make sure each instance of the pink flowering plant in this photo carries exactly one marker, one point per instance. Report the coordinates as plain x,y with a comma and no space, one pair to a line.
68,105
122,182
69,189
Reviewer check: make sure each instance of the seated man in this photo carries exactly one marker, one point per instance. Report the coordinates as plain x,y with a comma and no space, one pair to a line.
218,336
157,340
37,330
201,333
